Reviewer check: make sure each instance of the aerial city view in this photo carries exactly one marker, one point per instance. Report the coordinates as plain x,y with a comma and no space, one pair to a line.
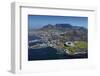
57,37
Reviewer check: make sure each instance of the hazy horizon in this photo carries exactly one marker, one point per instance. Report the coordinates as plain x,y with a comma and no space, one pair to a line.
38,21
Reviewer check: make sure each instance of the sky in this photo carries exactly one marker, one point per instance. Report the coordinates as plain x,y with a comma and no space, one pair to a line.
38,21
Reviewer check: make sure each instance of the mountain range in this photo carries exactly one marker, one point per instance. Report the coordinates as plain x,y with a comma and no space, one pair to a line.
64,27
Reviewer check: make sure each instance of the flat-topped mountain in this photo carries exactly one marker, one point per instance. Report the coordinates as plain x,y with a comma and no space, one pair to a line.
58,26
63,26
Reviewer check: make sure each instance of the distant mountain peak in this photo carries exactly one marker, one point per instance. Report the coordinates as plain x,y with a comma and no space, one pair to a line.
48,26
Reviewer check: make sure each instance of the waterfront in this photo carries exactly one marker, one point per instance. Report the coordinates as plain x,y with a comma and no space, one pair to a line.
49,53
42,47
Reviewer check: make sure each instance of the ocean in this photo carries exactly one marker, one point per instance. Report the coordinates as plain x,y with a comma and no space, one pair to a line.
49,53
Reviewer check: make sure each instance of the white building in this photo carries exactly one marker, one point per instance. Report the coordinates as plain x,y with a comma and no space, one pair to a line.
69,43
